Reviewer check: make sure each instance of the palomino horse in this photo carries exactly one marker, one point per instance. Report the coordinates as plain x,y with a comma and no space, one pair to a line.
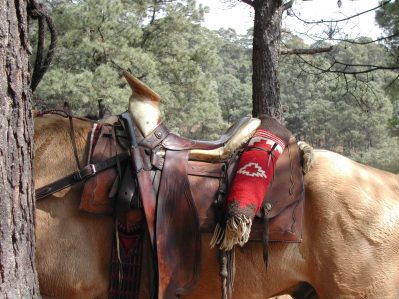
350,235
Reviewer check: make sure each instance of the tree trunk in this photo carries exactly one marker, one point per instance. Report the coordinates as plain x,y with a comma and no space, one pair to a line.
18,277
266,47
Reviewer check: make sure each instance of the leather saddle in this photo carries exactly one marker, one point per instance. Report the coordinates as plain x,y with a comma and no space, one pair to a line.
190,178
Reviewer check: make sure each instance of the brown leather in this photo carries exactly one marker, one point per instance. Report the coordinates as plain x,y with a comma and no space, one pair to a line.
285,227
194,167
95,197
274,126
205,192
127,191
213,170
175,142
147,194
156,137
287,185
178,236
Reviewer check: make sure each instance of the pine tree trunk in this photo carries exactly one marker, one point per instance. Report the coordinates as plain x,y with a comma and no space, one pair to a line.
18,278
266,46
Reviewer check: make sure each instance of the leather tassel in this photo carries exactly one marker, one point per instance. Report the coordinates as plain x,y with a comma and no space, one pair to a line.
227,272
223,261
265,236
231,272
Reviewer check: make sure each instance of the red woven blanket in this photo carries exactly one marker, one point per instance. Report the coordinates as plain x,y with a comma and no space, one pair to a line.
126,261
249,187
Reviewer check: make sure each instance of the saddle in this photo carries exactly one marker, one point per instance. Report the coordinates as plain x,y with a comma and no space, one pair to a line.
190,179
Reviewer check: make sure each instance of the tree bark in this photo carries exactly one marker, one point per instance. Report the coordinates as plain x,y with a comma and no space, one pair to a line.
265,59
18,277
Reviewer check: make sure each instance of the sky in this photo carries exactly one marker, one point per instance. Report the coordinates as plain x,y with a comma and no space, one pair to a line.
240,16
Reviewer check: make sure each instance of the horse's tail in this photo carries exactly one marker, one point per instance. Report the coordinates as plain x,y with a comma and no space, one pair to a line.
307,156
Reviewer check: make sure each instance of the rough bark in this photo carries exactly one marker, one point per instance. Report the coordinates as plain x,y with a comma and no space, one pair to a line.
266,47
18,278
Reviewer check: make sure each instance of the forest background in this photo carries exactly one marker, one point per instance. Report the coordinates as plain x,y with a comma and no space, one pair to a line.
205,77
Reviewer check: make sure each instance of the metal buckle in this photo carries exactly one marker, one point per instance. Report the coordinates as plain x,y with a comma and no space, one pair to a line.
93,168
87,171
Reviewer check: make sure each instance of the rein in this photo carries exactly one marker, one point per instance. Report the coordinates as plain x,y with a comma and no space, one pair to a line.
78,176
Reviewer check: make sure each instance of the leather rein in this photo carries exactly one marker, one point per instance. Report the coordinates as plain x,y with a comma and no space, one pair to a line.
83,173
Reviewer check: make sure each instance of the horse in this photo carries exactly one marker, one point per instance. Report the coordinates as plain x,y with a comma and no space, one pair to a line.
350,240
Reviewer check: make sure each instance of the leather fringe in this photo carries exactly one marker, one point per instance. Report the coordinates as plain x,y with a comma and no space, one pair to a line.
236,232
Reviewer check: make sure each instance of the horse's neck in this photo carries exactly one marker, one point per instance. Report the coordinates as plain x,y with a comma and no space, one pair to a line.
54,156
146,115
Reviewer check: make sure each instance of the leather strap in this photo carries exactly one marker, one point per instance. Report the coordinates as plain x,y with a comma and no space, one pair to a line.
146,191
73,140
155,137
178,235
78,176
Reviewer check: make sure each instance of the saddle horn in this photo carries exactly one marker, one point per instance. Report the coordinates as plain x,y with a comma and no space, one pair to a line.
140,88
143,105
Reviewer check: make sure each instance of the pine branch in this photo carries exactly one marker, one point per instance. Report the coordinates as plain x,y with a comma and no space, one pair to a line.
365,43
305,51
344,19
392,82
367,68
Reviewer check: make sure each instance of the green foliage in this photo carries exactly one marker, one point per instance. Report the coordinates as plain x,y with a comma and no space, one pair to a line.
385,156
388,18
161,42
205,77
347,114
235,77
394,124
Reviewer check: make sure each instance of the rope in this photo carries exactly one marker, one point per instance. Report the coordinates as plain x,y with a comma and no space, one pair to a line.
37,12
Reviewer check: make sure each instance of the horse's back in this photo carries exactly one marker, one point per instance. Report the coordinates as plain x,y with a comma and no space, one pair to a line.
358,183
352,227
